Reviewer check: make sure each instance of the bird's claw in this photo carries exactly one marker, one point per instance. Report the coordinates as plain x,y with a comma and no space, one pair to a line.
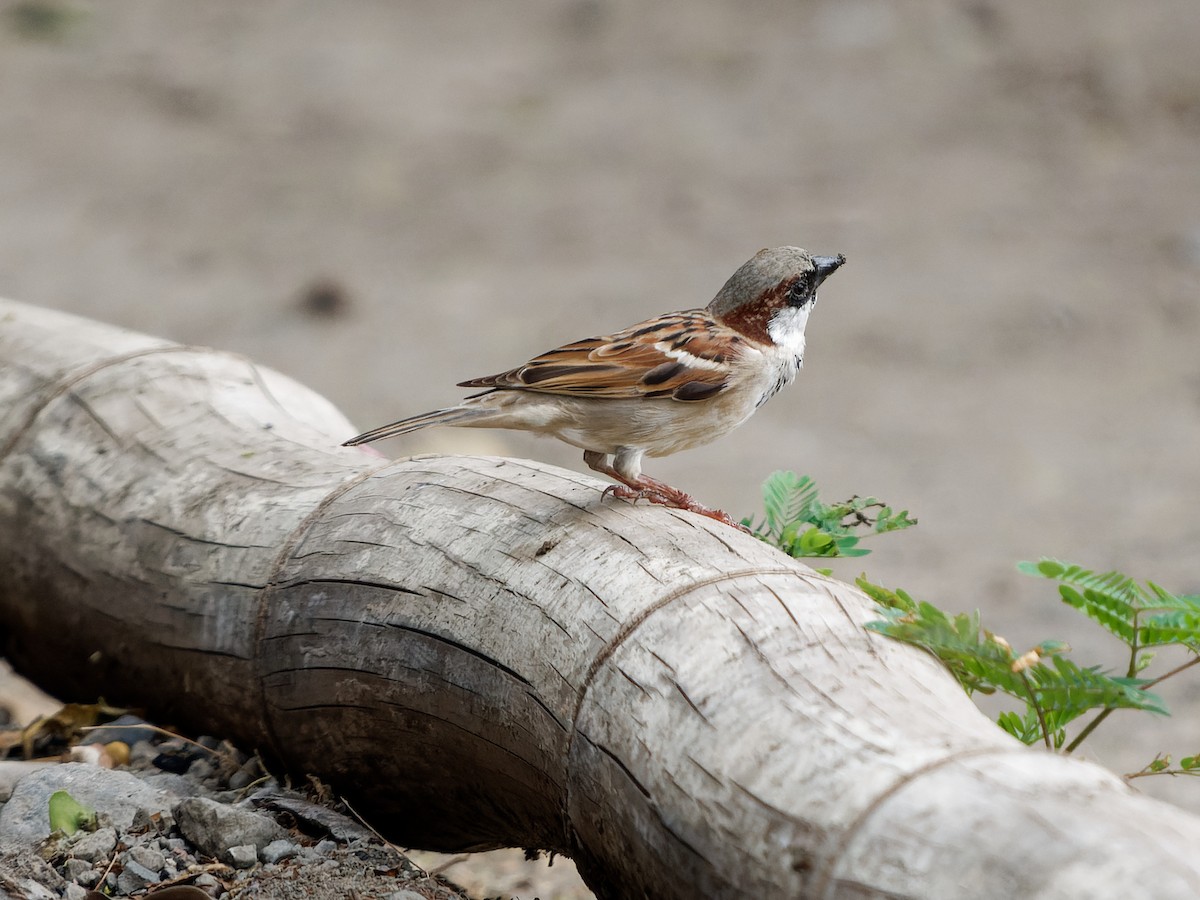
622,492
675,500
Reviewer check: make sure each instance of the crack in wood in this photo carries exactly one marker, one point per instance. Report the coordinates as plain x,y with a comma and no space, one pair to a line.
825,881
68,382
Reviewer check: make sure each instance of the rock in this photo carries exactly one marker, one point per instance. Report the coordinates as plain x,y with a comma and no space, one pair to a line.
205,881
75,892
74,868
96,846
405,895
135,877
147,856
24,819
242,856
13,770
277,850
175,784
145,822
326,847
90,878
30,876
213,828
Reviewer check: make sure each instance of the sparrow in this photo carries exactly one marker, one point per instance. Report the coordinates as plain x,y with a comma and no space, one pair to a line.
667,384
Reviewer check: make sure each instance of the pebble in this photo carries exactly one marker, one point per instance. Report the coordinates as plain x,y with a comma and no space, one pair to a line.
277,850
147,857
135,877
75,892
74,868
242,856
96,846
213,827
90,878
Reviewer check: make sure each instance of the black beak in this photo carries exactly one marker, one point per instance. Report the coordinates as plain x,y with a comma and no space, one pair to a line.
827,265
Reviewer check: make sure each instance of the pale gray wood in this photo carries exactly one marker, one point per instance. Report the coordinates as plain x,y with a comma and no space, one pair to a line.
482,652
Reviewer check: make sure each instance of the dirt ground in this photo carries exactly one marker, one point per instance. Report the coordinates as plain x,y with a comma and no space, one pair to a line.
382,199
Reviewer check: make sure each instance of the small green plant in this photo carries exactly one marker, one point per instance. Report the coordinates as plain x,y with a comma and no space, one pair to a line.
1052,689
68,815
1055,690
801,525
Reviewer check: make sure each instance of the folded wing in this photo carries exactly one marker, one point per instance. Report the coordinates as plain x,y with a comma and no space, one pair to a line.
682,356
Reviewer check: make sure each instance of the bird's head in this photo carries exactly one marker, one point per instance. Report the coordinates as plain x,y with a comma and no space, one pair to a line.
769,298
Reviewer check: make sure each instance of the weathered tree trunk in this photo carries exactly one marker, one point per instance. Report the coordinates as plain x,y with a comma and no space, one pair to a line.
483,652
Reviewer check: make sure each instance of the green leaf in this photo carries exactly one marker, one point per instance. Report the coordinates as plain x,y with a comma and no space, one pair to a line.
786,497
1109,611
797,522
815,542
980,662
1071,690
1026,729
1164,599
983,663
889,599
887,520
68,815
1177,627
1047,568
1115,584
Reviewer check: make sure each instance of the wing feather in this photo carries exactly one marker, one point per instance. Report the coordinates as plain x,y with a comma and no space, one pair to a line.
682,356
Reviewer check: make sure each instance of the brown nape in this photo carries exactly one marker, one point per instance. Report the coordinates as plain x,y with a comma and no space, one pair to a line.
752,319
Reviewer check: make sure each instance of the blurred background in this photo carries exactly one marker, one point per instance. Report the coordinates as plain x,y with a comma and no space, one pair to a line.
384,198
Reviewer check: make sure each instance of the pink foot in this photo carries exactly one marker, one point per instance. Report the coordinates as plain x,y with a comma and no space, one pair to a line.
663,495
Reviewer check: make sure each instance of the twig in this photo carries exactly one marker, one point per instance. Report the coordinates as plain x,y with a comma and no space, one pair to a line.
1144,773
1175,671
157,729
367,825
453,861
1037,708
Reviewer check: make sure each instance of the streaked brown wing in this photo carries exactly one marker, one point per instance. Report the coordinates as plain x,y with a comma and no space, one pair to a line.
682,356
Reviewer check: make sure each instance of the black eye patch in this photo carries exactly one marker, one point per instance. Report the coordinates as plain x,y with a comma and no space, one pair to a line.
801,291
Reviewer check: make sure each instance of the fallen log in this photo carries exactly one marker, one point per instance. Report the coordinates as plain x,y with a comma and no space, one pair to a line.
483,652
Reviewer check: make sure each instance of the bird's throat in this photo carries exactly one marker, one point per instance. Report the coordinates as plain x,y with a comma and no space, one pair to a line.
786,328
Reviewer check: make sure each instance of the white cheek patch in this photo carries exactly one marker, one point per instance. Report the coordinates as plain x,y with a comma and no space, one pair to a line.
688,359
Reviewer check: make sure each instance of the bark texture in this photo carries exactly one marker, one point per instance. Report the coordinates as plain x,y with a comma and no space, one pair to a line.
482,652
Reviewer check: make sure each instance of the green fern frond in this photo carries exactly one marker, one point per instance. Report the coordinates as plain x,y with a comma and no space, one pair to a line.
1071,690
1164,599
1107,610
799,524
786,497
1176,627
1113,584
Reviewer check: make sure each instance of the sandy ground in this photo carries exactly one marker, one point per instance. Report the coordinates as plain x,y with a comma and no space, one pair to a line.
384,198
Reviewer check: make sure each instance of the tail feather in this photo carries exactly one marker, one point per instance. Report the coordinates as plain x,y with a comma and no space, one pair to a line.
455,415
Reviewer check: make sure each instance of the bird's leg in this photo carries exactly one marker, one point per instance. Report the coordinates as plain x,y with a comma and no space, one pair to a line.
643,487
681,500
629,488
